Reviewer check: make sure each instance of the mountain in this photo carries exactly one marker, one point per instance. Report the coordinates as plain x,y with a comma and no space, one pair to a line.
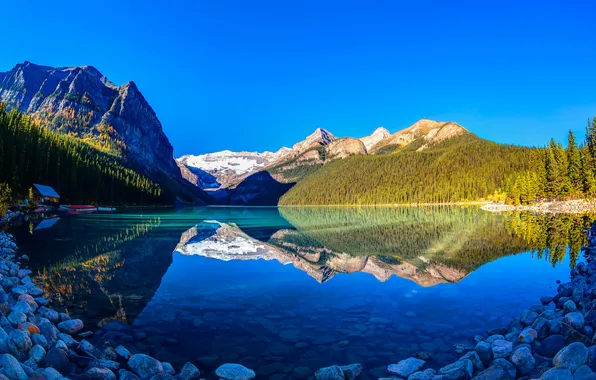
221,169
82,102
308,155
319,137
429,162
378,135
424,132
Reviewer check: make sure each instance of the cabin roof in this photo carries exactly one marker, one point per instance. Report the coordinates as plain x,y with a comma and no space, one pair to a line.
46,191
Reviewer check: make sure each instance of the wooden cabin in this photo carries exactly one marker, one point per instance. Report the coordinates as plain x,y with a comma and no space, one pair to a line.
45,195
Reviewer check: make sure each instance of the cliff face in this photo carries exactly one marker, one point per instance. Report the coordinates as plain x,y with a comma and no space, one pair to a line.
345,147
82,102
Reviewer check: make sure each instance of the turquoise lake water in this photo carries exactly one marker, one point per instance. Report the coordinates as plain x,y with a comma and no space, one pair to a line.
279,289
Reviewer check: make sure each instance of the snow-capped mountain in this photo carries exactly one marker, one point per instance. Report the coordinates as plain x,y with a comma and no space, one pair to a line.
378,135
227,166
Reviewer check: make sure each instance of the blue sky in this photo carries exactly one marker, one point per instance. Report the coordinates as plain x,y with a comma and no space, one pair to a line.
256,75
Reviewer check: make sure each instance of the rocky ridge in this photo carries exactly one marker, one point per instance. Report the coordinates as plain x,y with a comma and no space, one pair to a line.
80,100
429,132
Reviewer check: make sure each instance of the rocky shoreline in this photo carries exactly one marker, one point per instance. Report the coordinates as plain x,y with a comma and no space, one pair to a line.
37,342
9,216
578,206
553,340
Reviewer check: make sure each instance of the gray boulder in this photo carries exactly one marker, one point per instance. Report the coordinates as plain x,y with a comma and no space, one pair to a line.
19,344
12,368
461,369
51,374
475,359
126,375
484,352
523,360
569,306
494,372
88,349
98,373
326,373
145,366
71,326
167,368
59,360
16,317
501,348
557,374
189,372
494,337
575,320
584,373
351,371
551,345
122,352
571,357
527,317
406,367
37,353
527,335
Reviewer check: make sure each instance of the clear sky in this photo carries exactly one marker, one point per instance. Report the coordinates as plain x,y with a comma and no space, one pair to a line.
256,75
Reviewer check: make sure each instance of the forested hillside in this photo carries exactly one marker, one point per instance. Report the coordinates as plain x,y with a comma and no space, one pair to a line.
562,173
79,172
464,168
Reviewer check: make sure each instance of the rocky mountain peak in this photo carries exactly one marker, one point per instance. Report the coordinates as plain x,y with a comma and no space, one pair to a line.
80,99
319,137
430,131
382,131
379,134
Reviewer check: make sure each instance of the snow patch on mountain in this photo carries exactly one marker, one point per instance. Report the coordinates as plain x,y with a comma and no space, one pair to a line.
228,166
378,135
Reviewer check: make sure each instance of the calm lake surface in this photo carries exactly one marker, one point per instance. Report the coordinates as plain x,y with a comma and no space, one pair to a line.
277,289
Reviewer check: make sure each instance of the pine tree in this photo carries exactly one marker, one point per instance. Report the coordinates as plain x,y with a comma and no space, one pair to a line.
573,165
587,175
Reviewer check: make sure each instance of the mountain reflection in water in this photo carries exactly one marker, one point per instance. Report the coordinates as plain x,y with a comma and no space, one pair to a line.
420,244
176,267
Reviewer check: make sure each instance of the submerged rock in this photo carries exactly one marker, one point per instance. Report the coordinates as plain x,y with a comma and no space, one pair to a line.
351,371
145,366
230,371
406,367
189,372
461,369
